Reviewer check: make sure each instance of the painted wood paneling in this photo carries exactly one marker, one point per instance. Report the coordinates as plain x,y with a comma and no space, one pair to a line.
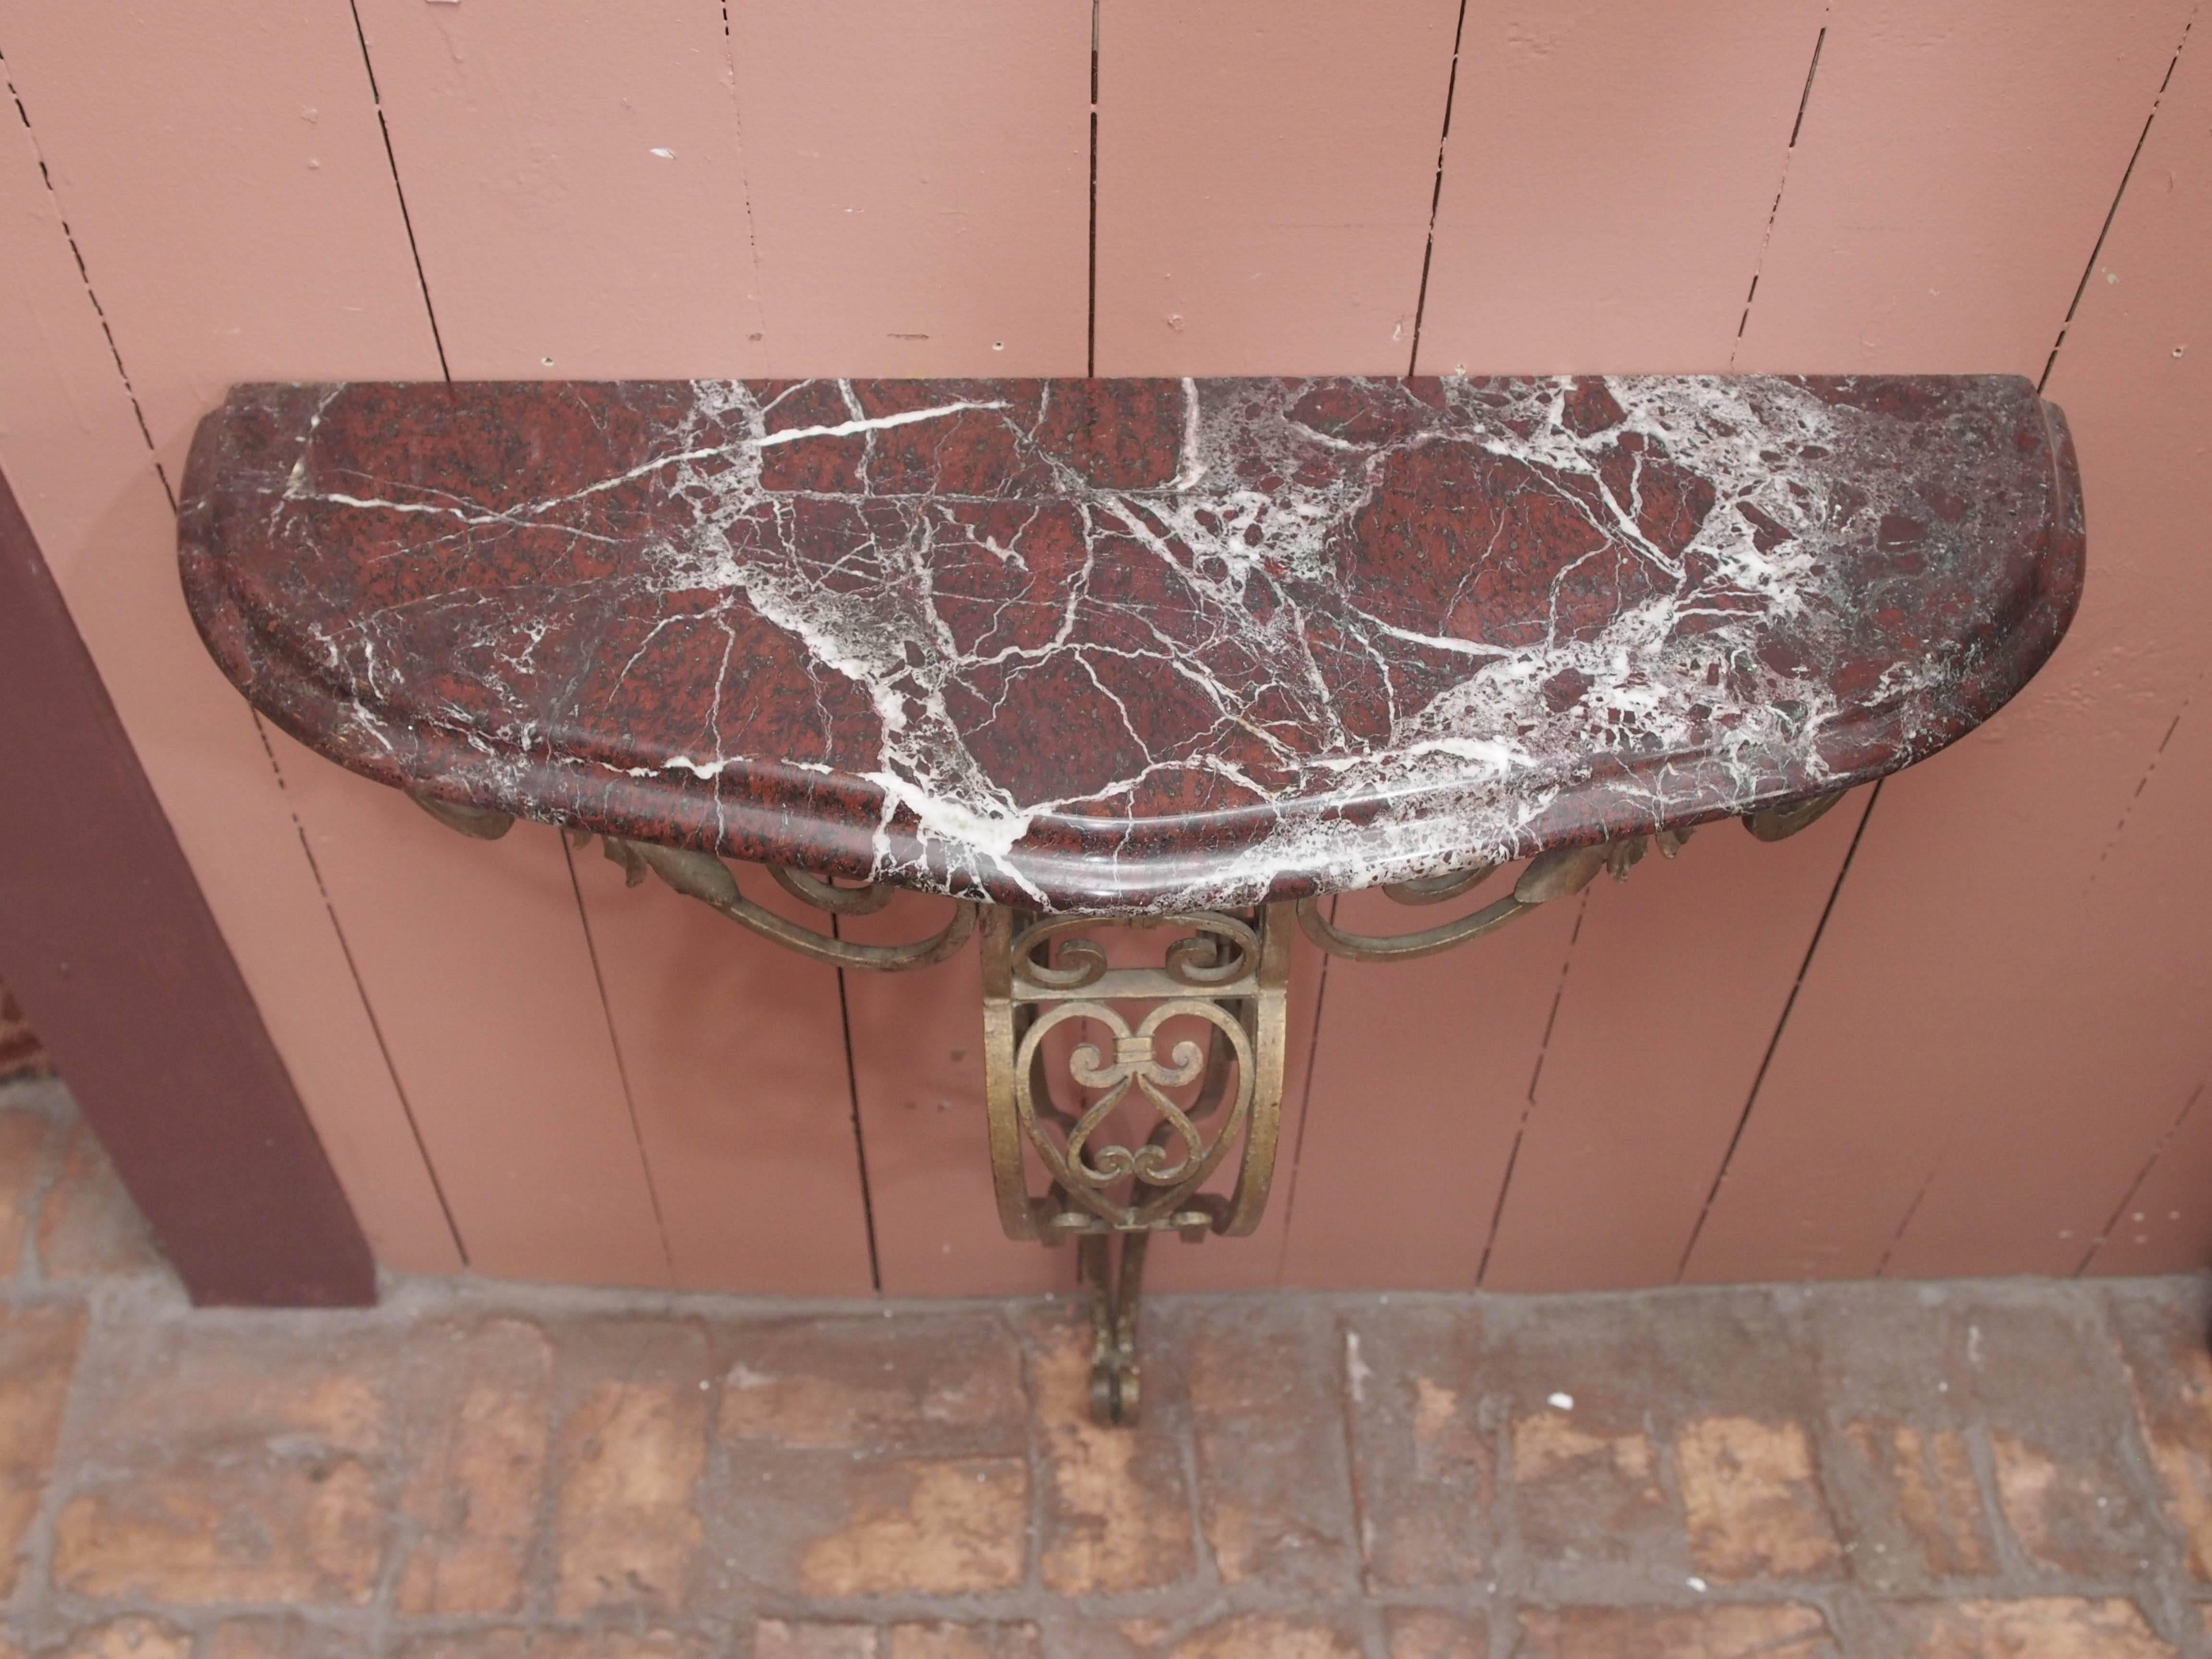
1957,159
1608,181
576,183
1907,1123
1670,1001
222,169
1266,169
918,1079
1994,1047
473,959
1673,144
920,182
2154,912
578,191
733,1054
1421,1079
2101,979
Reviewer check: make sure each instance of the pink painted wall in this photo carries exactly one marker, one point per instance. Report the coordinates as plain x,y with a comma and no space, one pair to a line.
1963,1028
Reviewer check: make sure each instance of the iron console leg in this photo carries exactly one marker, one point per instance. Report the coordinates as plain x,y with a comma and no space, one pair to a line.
1124,1145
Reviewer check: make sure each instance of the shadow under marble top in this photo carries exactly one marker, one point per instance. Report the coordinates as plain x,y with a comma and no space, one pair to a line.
1129,645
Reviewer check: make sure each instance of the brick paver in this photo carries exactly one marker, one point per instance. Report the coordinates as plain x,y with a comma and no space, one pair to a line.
1966,1471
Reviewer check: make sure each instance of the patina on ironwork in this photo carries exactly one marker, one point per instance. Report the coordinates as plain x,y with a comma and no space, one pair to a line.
1171,1068
1130,1153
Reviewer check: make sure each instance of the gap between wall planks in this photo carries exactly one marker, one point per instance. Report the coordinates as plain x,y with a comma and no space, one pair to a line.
832,240
1959,1090
866,247
1611,1244
2139,966
1668,993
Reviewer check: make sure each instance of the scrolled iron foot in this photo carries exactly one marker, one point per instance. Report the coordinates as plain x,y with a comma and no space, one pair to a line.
1115,1396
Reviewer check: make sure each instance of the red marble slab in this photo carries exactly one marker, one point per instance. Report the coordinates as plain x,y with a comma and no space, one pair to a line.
1130,645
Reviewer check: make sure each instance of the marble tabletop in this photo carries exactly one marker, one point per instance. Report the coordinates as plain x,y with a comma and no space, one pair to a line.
1132,645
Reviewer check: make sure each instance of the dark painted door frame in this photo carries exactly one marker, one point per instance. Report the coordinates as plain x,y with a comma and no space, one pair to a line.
108,942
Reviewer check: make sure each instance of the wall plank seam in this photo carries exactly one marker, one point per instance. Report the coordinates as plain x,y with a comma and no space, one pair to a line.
2142,1176
1437,192
1289,1198
1529,1100
1780,184
860,1131
622,1067
85,273
1751,1100
399,189
663,1235
1913,1210
367,1003
745,199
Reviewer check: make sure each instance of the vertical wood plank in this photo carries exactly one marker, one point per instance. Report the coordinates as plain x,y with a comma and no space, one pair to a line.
1266,169
576,183
473,958
1607,183
918,1076
1421,1074
733,1051
920,182
1670,143
1669,1002
224,171
222,168
1938,978
1957,160
70,443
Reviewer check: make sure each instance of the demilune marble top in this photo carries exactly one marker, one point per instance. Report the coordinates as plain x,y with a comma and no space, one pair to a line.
1127,646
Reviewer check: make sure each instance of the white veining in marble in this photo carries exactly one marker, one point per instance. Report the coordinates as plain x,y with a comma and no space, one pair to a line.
1680,671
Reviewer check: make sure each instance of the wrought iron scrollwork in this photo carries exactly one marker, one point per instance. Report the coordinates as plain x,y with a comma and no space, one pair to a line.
1151,1106
703,877
1555,875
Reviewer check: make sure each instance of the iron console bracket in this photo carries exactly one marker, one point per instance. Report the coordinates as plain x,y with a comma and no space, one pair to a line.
1164,1071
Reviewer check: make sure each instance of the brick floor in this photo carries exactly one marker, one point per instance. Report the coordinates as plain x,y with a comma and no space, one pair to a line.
1960,1471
